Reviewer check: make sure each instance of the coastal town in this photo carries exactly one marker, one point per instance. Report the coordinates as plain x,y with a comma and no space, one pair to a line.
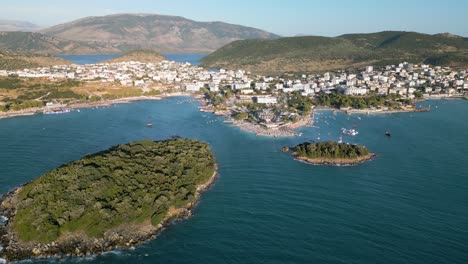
265,105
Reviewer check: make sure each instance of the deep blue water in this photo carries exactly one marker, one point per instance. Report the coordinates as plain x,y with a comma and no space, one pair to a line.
96,58
407,206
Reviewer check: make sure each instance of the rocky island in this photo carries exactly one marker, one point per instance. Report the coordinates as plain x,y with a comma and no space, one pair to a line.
331,153
112,199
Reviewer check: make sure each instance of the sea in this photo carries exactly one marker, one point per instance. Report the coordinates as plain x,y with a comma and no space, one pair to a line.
409,205
194,59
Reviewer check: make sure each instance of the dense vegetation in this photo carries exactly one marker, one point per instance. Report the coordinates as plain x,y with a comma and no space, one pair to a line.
300,103
303,54
330,150
130,183
339,100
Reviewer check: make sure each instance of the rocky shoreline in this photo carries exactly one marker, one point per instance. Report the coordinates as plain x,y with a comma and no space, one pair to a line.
78,244
335,162
261,131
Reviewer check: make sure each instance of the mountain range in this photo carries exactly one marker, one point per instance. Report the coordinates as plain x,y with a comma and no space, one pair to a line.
15,25
28,42
315,54
232,46
164,33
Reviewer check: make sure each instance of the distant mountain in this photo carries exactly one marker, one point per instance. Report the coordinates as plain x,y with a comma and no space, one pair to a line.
147,56
308,54
14,25
160,32
27,42
15,61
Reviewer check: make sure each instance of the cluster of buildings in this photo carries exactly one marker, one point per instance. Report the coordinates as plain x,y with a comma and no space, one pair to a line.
177,75
404,79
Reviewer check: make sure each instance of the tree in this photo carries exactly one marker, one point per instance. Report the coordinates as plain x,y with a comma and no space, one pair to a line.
241,116
418,94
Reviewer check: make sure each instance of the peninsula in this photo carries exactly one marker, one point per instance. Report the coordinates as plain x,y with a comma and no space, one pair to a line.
115,198
141,55
331,153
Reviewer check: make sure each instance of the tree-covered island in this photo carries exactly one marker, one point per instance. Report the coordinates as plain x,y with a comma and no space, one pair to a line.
331,153
115,198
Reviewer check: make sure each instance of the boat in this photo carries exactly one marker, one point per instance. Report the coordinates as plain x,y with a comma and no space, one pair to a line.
149,124
351,132
56,111
388,133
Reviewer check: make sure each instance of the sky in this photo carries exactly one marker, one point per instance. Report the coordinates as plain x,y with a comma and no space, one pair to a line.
283,17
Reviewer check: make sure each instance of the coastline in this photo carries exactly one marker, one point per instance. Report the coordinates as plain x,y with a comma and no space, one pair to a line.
259,130
80,245
335,162
103,103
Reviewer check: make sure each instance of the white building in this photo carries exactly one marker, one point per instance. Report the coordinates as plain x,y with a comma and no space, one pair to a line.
266,100
214,87
355,91
193,87
247,91
139,83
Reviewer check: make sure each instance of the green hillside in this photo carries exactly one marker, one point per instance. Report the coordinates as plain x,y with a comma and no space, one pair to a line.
27,42
134,183
312,53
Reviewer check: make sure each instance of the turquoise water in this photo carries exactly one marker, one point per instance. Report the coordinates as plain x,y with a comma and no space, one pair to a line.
407,206
96,58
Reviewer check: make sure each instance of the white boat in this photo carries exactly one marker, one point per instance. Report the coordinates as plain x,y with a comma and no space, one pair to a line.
351,132
56,111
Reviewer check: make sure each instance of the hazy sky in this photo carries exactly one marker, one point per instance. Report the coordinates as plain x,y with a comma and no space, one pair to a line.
287,17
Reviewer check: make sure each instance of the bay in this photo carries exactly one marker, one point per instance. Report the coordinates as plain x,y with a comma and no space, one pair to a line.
97,58
409,205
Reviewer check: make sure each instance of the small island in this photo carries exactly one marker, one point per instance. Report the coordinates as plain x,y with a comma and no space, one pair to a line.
140,55
331,153
116,198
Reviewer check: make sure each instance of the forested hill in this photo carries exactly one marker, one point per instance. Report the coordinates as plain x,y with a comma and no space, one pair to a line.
127,190
36,43
312,53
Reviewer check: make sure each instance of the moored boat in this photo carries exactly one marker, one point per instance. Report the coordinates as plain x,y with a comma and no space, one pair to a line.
351,132
56,111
